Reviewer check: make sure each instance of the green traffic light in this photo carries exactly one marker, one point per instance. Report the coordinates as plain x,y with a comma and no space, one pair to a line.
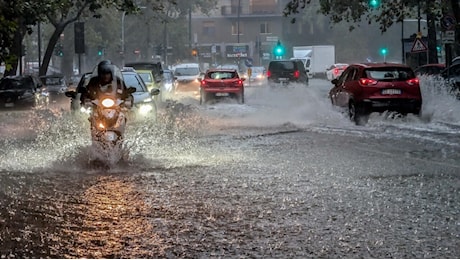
99,53
374,3
384,51
279,49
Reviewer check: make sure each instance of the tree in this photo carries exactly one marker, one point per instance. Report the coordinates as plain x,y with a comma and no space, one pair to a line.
16,20
64,12
386,13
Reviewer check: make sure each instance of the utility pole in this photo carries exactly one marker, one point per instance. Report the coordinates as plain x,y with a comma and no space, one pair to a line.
238,20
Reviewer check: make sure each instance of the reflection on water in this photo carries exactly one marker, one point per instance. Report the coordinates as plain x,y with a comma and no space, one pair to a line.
112,222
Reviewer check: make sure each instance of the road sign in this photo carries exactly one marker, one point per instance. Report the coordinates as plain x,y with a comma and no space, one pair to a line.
418,46
448,36
448,22
272,38
248,62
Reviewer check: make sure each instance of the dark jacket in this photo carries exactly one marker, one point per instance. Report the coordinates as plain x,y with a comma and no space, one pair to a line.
93,90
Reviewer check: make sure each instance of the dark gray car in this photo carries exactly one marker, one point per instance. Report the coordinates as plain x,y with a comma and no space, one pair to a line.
286,71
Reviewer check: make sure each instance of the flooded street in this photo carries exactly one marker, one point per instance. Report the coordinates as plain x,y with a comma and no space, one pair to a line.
285,175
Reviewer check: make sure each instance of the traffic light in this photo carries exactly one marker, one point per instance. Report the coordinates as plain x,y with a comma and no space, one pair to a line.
383,51
159,49
194,52
59,50
279,50
100,51
374,3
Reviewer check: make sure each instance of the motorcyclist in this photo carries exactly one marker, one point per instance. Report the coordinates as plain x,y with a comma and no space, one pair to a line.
105,76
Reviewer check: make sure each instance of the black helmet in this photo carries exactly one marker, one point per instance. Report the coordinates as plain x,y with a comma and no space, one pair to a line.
104,67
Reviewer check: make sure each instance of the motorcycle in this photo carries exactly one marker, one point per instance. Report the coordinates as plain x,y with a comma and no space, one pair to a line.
107,116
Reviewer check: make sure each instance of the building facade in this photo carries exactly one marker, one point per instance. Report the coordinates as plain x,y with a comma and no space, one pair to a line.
241,31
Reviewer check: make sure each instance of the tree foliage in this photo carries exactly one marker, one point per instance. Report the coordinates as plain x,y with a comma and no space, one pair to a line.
18,17
386,14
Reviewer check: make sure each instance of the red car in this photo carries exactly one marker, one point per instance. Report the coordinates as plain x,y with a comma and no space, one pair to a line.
376,87
221,83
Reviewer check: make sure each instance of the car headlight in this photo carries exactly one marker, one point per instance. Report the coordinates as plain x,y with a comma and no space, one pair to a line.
147,100
145,109
86,110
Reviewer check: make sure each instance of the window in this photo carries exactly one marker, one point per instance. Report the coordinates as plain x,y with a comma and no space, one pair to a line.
264,28
235,28
209,28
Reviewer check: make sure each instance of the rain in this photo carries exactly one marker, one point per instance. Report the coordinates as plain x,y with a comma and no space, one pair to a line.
284,174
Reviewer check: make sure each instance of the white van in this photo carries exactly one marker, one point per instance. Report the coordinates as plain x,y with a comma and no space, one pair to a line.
187,77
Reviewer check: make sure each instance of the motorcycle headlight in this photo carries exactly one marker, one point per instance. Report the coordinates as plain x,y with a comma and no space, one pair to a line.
108,102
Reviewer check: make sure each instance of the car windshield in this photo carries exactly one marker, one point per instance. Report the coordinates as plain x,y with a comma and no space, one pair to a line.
147,77
390,73
10,84
192,71
167,75
53,81
257,70
222,75
16,83
282,65
132,81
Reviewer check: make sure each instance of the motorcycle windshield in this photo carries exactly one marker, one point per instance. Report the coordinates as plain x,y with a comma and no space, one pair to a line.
112,75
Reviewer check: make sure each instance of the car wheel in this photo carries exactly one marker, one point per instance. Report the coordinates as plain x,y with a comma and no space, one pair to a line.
357,113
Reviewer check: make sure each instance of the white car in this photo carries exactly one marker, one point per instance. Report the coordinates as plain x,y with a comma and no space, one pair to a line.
187,77
335,70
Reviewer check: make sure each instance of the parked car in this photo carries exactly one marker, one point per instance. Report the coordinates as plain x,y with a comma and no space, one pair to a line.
56,85
258,76
335,70
285,72
376,87
452,77
430,69
187,77
22,92
221,83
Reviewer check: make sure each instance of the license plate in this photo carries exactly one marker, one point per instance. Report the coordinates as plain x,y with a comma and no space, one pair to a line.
9,104
221,94
391,91
283,79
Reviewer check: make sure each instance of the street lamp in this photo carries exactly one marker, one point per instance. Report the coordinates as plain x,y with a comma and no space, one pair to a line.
123,39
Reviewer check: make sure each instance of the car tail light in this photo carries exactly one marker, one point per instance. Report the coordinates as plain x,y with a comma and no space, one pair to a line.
296,74
367,82
269,74
413,81
239,82
336,71
203,83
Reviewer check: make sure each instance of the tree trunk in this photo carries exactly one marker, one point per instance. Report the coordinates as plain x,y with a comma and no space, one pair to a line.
50,49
